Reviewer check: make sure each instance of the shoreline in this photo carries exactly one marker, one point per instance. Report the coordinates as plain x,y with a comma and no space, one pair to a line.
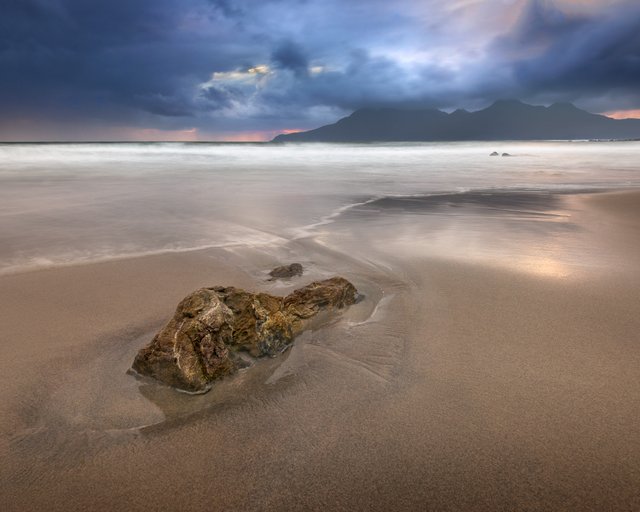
455,385
304,232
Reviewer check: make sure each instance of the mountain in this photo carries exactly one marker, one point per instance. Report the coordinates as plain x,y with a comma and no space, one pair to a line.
504,120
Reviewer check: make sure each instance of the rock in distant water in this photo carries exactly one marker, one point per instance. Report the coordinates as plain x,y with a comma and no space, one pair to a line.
286,271
201,341
495,153
506,154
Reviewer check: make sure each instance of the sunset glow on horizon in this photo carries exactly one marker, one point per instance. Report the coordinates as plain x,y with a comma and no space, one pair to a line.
624,114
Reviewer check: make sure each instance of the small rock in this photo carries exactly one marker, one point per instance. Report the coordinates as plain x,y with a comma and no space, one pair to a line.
506,154
286,271
495,153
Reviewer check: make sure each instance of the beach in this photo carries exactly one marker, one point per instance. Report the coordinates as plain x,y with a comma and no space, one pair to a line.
492,365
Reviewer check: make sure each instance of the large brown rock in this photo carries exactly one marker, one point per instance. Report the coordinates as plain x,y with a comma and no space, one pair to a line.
209,327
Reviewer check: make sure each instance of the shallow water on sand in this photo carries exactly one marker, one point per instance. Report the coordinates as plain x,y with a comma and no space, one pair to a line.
70,203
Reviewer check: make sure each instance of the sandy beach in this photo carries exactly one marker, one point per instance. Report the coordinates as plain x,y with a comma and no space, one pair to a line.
320,256
502,379
312,255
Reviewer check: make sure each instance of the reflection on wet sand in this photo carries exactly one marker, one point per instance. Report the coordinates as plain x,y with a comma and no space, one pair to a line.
531,232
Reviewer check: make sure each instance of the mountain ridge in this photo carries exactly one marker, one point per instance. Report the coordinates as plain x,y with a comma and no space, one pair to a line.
506,119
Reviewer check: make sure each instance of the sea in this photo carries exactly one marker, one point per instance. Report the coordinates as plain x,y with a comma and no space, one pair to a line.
64,204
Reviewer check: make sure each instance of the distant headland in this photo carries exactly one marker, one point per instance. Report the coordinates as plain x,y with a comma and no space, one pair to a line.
504,120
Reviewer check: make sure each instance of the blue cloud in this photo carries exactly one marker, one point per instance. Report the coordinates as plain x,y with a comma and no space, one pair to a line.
223,65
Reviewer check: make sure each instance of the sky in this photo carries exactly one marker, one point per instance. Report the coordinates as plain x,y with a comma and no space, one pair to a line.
250,69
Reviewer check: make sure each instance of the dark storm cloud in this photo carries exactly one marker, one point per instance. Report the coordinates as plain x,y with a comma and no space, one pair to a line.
289,55
84,57
227,8
222,65
214,98
541,22
588,54
368,80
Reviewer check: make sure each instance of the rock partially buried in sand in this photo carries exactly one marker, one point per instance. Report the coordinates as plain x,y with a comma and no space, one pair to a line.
286,271
201,341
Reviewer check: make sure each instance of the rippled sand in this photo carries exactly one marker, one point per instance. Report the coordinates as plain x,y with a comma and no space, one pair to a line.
494,365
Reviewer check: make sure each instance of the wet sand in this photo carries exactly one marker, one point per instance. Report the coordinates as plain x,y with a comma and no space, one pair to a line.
502,377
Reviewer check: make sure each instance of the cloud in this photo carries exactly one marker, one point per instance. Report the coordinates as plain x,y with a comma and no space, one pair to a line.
169,106
576,56
289,55
227,8
225,65
589,54
74,57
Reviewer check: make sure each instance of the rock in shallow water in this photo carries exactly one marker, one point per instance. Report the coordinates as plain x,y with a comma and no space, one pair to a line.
286,271
201,341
